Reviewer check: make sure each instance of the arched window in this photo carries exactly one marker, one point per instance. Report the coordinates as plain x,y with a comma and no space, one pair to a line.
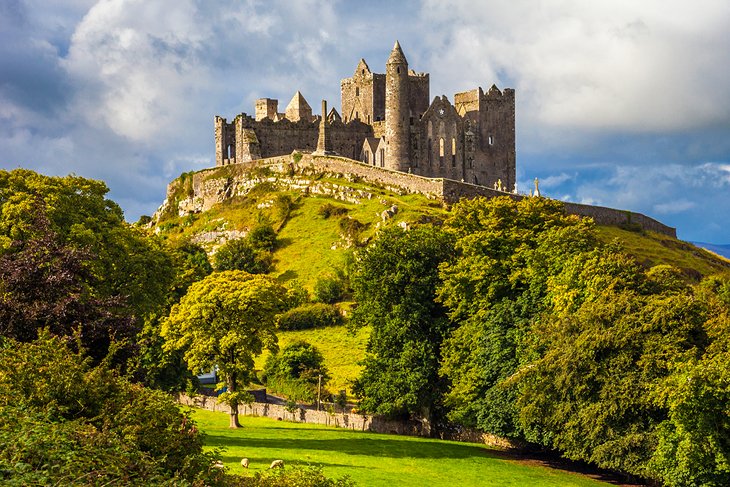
430,152
357,91
453,152
441,152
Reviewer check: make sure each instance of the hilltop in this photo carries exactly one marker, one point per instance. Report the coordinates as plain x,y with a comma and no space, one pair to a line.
321,216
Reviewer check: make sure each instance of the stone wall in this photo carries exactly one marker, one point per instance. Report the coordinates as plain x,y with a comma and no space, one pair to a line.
212,186
353,421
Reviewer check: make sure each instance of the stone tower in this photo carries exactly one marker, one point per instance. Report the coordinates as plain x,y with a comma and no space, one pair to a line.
397,113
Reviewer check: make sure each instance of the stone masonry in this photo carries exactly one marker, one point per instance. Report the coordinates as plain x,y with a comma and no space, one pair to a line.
215,185
387,121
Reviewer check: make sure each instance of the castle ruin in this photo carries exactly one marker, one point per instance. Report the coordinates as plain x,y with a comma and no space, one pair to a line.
387,122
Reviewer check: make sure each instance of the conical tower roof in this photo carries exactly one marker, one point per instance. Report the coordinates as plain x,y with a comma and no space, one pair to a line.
396,55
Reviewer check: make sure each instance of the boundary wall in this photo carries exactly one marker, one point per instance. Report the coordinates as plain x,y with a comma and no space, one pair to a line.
212,182
353,421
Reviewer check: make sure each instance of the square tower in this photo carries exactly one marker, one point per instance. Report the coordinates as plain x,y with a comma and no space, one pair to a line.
266,108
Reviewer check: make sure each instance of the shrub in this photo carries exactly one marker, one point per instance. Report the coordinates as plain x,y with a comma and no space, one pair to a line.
351,227
328,209
262,237
64,422
296,477
241,255
329,290
296,371
307,316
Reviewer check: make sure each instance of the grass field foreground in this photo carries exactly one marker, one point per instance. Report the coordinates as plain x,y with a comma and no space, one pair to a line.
372,459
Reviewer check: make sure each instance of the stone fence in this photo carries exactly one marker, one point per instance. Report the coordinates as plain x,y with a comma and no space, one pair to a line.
353,421
211,186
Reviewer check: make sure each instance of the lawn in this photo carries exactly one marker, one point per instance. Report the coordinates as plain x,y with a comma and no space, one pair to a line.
372,459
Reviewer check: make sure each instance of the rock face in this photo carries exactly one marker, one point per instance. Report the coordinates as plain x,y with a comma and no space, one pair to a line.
308,174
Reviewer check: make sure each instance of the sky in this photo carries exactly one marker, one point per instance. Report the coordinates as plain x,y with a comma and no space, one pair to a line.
620,103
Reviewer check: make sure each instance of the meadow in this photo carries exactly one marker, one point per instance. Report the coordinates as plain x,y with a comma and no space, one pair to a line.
374,459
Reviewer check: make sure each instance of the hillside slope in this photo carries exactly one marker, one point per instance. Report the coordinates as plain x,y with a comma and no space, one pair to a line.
320,218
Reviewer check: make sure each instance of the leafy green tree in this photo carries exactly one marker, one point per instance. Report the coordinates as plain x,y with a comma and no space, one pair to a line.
226,320
694,441
493,290
297,370
128,263
608,339
65,422
153,366
242,255
394,281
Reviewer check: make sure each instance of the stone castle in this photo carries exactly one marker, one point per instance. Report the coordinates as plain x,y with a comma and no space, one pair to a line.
387,122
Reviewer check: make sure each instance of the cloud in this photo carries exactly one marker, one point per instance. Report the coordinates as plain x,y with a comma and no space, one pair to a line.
620,103
639,67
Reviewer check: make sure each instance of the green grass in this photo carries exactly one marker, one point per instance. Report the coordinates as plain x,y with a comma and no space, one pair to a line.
652,248
372,459
341,350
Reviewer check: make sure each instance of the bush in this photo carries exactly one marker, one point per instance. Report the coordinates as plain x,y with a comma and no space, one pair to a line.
262,237
242,255
296,477
328,209
296,371
308,316
63,422
329,290
351,227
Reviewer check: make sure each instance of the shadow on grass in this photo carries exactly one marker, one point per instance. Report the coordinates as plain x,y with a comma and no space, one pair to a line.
379,447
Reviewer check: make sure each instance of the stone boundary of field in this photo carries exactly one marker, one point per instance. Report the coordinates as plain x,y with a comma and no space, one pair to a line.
353,421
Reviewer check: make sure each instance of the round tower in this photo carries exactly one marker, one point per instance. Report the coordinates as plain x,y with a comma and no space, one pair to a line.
397,113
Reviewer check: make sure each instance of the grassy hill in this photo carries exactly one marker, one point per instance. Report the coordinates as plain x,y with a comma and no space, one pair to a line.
317,231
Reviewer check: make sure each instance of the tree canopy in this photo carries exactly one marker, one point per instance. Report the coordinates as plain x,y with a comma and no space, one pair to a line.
225,321
394,281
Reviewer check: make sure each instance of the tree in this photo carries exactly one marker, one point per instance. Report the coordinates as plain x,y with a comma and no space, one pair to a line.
494,289
394,281
297,370
242,255
694,441
128,263
45,284
66,422
226,320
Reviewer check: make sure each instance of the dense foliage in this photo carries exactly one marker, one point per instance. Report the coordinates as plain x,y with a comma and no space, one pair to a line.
296,371
65,422
551,338
311,315
394,282
226,320
251,254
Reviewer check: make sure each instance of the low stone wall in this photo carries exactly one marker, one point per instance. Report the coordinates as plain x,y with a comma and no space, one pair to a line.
360,422
214,185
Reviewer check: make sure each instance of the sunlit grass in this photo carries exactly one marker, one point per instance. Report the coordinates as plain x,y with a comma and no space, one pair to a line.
372,459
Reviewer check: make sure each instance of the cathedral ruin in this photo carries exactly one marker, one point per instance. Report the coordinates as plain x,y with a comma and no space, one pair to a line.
387,122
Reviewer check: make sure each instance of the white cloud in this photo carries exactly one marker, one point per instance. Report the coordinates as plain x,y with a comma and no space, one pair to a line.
620,65
678,206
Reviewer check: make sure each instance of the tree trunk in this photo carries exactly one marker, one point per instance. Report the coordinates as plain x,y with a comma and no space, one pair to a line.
234,403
